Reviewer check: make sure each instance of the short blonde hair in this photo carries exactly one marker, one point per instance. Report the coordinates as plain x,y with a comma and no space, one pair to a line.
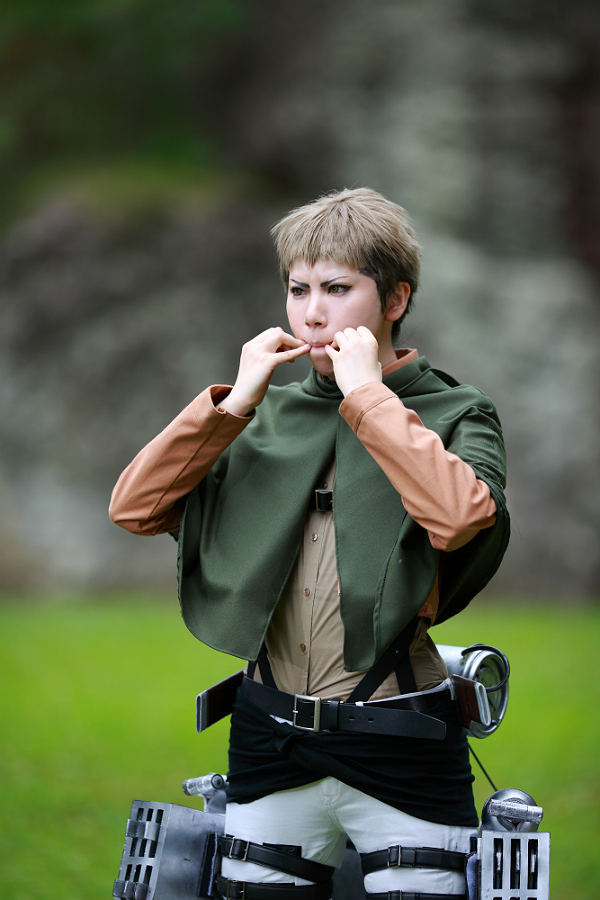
359,228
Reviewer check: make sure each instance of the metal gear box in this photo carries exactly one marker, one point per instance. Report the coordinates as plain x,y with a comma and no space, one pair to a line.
167,848
513,865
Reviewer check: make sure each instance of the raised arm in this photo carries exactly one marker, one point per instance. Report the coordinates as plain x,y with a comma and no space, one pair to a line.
439,490
144,500
145,496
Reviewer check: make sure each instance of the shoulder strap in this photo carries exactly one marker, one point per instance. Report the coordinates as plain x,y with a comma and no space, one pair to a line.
264,667
395,658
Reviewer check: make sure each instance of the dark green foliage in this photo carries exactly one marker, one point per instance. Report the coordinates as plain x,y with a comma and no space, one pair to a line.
96,79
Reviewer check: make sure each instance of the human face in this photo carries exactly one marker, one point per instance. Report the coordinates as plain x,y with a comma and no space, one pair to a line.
328,297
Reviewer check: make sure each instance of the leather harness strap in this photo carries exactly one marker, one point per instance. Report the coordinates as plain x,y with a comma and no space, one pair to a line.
395,658
230,889
413,857
236,848
410,895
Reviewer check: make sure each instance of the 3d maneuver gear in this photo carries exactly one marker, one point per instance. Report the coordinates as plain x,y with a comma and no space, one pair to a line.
174,852
512,858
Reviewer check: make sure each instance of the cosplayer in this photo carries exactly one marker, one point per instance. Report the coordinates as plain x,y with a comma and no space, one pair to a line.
323,528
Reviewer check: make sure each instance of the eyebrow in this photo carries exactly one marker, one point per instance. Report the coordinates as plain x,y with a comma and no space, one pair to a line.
323,283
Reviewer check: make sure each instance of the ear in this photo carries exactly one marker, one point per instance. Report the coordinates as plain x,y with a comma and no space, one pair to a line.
397,303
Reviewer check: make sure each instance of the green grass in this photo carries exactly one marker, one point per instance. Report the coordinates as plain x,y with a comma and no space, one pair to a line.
549,742
98,709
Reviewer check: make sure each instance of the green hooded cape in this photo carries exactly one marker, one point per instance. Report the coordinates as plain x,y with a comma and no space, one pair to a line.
242,525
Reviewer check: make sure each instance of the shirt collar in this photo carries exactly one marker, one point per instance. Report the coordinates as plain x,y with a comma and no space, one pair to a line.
403,356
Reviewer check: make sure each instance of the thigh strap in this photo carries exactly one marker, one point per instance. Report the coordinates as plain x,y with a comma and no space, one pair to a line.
264,855
413,857
230,889
411,895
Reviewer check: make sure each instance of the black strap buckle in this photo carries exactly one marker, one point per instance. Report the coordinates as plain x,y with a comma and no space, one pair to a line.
399,856
300,703
236,890
239,849
323,500
394,855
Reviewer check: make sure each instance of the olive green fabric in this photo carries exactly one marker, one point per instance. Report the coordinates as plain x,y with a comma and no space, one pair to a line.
243,524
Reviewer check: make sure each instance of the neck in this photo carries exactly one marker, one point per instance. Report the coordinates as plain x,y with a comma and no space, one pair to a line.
386,354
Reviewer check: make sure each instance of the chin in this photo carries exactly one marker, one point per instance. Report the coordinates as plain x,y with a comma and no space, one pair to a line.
323,366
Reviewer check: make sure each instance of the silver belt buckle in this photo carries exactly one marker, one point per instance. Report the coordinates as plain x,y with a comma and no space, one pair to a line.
316,712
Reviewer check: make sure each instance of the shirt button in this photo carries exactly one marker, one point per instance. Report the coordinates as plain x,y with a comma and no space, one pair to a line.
307,592
314,537
303,647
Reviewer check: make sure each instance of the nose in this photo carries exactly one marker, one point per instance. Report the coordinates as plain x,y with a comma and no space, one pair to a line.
314,311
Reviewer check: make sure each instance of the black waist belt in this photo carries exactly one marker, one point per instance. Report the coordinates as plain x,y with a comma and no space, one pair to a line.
400,717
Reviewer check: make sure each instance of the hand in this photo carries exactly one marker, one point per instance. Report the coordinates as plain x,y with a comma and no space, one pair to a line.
258,360
356,359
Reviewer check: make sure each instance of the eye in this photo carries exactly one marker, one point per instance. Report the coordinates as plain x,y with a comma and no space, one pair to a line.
338,288
296,291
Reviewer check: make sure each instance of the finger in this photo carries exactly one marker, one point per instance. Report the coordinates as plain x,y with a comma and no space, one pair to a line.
267,333
331,351
364,331
290,343
278,339
290,355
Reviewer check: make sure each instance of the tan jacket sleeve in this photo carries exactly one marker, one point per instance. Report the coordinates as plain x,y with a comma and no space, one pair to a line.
143,500
439,490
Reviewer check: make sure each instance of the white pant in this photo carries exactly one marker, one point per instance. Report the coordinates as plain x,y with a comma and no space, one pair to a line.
318,817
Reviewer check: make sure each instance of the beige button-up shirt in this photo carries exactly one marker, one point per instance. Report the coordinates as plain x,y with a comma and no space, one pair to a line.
306,636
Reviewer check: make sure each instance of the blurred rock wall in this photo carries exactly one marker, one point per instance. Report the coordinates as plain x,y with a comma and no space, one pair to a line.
483,120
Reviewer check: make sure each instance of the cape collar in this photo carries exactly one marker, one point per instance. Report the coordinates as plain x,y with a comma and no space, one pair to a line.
393,376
